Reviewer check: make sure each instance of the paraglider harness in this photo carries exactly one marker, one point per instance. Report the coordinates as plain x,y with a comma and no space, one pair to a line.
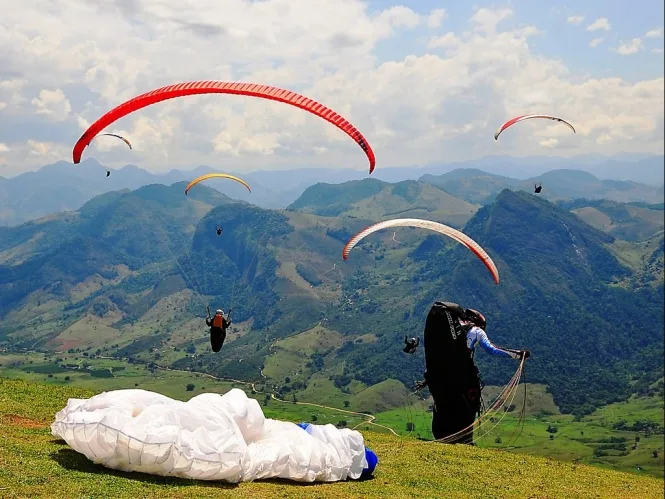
218,320
219,229
411,344
449,362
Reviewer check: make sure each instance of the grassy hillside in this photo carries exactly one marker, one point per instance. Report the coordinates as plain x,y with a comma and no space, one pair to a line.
35,464
645,258
627,221
129,277
627,436
375,200
620,436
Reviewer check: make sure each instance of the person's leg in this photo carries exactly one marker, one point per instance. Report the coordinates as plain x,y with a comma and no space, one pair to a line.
467,416
453,414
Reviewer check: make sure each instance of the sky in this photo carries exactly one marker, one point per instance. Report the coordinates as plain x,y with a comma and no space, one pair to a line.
426,82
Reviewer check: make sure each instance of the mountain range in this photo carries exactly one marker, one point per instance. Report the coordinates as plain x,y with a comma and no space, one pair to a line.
63,186
131,272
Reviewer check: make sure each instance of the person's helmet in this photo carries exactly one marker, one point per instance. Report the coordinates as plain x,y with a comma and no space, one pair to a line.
219,311
475,317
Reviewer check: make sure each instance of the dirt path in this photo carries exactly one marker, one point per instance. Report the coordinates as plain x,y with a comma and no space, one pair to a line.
369,419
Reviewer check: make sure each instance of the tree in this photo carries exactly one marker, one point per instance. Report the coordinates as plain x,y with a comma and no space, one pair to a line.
287,380
190,387
314,418
410,426
346,403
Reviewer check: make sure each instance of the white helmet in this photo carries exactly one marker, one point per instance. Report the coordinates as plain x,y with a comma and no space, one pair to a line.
219,311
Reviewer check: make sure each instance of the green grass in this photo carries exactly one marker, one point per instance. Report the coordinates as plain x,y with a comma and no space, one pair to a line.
302,412
574,441
35,464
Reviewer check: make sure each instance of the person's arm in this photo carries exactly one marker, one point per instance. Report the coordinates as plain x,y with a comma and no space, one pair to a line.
208,322
487,345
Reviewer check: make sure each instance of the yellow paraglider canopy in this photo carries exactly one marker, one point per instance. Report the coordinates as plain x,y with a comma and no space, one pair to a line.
215,175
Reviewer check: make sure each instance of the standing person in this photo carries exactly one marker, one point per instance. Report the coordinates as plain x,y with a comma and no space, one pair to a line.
451,336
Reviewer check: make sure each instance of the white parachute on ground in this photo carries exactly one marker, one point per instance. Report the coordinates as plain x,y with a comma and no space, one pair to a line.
210,437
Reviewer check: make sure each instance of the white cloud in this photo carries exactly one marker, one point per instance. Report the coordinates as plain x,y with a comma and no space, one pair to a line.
400,16
42,152
52,103
3,105
657,51
595,42
600,23
4,147
447,40
575,19
631,47
605,138
550,143
487,20
39,148
413,110
655,33
10,91
436,17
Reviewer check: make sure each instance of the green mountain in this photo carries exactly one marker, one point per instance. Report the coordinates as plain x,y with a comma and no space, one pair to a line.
376,200
477,186
471,184
631,222
559,280
130,275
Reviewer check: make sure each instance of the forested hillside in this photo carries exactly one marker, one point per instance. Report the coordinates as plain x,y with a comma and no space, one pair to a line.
131,274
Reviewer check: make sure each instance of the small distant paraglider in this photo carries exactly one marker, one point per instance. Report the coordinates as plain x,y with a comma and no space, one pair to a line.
411,344
537,188
219,229
511,122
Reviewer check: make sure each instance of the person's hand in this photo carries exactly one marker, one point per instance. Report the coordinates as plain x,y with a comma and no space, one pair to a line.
420,385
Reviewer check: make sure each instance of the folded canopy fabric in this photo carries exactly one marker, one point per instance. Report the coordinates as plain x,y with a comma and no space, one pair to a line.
210,437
